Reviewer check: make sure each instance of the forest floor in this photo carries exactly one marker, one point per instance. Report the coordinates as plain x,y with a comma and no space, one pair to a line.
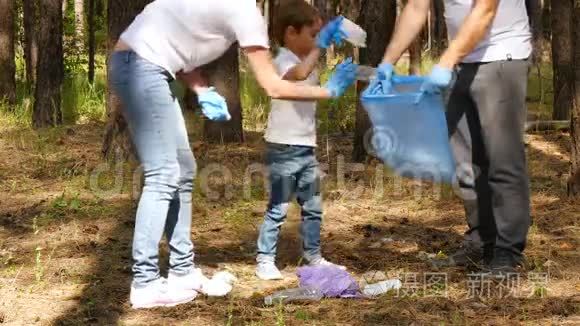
66,223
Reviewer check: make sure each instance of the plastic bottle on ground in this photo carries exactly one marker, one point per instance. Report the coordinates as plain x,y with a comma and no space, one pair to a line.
297,294
373,290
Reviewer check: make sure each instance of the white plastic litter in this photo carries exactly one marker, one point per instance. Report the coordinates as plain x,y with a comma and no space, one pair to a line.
373,290
354,33
219,285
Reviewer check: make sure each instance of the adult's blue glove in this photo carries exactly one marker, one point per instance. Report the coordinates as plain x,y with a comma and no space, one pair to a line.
343,76
331,33
439,79
383,84
385,72
213,105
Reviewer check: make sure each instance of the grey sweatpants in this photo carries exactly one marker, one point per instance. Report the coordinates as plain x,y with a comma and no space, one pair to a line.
486,116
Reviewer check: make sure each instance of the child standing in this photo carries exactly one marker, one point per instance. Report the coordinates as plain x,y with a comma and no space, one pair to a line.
291,140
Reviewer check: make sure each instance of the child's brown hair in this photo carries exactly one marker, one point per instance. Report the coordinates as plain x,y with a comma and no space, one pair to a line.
295,13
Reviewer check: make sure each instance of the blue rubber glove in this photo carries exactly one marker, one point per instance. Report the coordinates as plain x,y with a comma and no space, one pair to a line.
331,33
343,76
385,72
213,105
439,79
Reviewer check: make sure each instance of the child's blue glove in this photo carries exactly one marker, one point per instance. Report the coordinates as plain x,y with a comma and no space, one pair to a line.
439,79
343,76
213,105
331,33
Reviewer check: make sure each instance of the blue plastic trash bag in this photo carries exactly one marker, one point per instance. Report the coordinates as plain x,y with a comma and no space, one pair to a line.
409,136
332,281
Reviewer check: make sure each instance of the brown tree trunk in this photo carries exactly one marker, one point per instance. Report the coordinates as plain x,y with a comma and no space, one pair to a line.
30,13
547,20
325,7
91,22
120,13
50,70
562,58
574,181
7,63
535,10
223,73
378,19
272,9
350,9
438,28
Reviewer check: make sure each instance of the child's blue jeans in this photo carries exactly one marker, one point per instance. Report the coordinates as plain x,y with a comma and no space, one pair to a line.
293,172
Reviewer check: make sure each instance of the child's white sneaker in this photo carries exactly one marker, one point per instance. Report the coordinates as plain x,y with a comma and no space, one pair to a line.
323,262
220,285
267,271
158,294
192,281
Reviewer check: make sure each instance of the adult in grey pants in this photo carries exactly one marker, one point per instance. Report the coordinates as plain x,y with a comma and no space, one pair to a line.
490,43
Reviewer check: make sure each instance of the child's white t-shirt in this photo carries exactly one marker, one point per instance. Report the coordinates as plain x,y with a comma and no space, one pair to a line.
181,35
292,122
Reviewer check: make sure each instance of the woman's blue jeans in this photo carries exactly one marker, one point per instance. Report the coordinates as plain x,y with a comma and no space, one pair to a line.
158,132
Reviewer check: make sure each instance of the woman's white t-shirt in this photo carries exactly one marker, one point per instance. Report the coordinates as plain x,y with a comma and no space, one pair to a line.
181,35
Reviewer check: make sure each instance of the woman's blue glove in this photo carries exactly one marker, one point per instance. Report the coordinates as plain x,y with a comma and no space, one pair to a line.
439,79
213,105
331,33
343,76
383,84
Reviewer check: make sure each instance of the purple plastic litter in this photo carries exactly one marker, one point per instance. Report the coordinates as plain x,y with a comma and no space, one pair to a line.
330,280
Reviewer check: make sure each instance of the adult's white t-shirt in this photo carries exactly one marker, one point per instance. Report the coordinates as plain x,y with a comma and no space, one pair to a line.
181,35
508,37
292,122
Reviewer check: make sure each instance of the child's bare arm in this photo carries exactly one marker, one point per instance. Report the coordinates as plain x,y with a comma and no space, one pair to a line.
302,70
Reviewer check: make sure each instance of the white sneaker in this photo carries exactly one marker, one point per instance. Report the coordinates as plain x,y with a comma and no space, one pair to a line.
267,271
158,294
192,281
220,285
323,262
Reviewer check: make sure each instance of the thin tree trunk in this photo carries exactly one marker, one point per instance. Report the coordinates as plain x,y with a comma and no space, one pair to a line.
535,10
272,9
562,58
438,28
574,181
64,6
50,70
223,73
378,19
120,13
7,39
79,6
325,7
91,22
30,14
